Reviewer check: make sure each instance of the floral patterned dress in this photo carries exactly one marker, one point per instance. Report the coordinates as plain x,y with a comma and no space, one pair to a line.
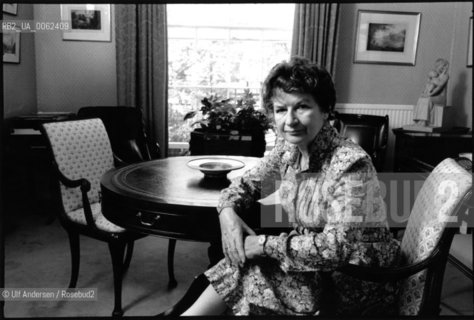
338,216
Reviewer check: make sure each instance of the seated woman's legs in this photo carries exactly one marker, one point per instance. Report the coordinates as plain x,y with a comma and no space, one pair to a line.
209,303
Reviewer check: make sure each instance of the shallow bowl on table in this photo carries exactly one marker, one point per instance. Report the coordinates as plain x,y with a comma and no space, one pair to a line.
215,167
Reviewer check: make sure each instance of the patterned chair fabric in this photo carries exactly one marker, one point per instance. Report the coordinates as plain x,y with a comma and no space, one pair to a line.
82,149
434,207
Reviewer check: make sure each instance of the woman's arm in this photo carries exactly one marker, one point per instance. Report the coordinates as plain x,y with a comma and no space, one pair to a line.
353,202
238,197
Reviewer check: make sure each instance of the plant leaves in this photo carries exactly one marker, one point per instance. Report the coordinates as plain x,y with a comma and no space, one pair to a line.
189,115
230,114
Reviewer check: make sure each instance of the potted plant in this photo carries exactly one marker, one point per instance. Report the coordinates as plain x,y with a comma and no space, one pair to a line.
228,127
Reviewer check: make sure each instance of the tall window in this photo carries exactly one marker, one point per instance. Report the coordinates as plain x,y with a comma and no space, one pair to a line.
221,49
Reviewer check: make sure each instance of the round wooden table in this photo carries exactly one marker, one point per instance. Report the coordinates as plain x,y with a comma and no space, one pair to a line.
167,198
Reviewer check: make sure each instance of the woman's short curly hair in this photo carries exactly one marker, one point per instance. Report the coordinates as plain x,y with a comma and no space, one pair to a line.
302,76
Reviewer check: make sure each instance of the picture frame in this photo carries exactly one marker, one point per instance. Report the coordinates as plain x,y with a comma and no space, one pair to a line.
10,8
89,22
469,44
11,47
386,37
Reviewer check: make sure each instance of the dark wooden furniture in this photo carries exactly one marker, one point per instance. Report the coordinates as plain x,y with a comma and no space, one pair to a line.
421,151
369,131
242,144
167,198
27,169
126,132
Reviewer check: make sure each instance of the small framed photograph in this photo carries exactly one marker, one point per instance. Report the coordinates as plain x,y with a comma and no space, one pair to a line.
386,37
10,8
469,44
11,47
88,22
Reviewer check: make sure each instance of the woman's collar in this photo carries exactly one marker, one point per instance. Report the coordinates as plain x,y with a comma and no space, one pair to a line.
321,142
323,139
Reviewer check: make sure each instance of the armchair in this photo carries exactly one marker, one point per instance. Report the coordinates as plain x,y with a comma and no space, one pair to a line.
127,135
130,144
425,244
82,154
370,132
461,254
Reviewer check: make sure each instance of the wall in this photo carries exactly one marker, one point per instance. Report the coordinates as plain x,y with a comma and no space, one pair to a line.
443,33
19,80
72,74
460,85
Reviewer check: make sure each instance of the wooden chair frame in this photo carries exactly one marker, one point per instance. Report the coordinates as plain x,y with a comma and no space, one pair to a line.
434,264
117,242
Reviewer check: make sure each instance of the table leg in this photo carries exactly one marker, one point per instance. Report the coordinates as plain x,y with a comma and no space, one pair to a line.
172,280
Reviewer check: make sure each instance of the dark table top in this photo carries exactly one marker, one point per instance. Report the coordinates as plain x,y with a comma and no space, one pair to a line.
170,181
166,198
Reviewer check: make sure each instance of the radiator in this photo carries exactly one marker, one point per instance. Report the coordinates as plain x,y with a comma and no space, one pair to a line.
398,116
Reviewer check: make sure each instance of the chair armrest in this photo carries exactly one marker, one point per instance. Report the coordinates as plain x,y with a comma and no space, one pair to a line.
83,183
157,150
379,274
118,162
85,186
153,147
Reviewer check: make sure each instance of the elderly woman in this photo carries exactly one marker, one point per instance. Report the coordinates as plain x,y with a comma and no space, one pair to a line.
331,194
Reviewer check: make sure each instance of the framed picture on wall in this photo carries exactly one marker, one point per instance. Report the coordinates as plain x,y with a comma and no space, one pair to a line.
11,47
88,22
386,37
469,44
10,8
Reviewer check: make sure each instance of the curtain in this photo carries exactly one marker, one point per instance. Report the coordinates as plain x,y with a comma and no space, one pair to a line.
315,33
142,65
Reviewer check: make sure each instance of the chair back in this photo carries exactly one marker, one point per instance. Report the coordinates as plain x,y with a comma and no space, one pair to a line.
81,149
437,204
125,128
370,132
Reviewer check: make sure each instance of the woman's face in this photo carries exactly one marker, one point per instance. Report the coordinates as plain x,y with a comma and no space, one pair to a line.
298,117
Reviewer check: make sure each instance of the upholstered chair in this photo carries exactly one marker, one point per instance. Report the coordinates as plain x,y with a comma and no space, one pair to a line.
426,242
461,252
130,144
82,154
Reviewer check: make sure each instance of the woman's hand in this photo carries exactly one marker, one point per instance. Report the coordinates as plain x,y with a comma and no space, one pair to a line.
232,230
253,249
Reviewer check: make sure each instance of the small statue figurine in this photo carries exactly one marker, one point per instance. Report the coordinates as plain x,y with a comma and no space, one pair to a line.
433,96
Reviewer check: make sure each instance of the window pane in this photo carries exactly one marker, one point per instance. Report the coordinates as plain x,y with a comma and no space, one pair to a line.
212,33
181,32
221,49
246,34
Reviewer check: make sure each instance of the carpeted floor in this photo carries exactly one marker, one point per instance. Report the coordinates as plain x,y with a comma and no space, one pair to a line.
37,256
